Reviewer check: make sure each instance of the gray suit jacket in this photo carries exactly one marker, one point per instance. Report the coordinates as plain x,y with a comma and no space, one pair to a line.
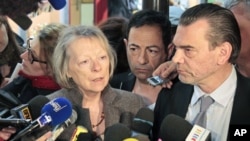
116,103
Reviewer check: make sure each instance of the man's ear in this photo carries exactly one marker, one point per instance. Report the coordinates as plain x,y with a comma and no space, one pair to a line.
225,50
125,42
171,51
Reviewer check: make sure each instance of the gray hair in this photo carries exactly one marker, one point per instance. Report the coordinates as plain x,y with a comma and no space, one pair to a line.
231,3
61,57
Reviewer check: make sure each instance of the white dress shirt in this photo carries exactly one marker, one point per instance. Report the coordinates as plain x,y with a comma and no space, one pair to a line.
219,113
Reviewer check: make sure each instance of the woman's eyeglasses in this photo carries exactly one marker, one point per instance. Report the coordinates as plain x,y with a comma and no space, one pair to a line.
31,56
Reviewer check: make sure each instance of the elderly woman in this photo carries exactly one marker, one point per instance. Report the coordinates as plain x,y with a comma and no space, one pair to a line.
83,65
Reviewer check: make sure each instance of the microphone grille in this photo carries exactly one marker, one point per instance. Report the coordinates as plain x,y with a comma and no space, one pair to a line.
174,128
59,109
36,104
117,132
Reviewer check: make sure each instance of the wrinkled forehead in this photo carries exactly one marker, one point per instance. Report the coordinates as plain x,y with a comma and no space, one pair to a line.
86,44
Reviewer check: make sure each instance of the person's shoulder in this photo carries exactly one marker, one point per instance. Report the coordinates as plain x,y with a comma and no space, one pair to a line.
243,82
124,93
126,96
127,100
73,95
60,93
17,83
117,79
121,76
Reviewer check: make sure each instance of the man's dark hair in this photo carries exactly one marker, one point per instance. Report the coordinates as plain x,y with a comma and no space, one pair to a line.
152,18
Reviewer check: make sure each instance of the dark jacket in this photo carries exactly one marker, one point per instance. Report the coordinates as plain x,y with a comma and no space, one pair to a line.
178,101
126,81
23,89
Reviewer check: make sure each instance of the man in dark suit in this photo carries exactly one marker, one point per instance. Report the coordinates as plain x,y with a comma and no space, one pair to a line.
207,43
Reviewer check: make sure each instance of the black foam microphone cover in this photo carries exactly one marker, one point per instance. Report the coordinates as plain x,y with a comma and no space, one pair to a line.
23,21
126,118
84,137
174,128
143,121
82,117
117,132
36,104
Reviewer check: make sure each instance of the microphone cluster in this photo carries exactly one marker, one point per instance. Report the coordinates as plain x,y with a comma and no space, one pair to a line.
137,129
20,116
38,113
59,114
54,113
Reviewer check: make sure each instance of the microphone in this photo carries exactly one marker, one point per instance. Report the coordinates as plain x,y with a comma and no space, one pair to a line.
22,115
17,10
31,110
81,134
143,122
137,138
57,4
126,118
120,132
53,113
60,128
175,128
23,21
18,123
199,133
131,139
117,132
3,112
84,137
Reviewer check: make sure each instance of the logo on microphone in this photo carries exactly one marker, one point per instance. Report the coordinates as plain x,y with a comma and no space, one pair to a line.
56,106
26,113
198,133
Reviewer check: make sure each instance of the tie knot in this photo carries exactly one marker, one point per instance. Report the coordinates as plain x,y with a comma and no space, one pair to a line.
206,102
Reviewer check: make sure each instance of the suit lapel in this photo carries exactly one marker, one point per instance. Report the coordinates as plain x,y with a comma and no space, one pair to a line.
182,95
241,105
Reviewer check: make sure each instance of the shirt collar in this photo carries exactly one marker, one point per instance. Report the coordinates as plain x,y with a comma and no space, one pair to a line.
222,94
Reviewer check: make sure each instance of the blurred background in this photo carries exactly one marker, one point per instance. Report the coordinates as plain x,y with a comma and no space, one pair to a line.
82,12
